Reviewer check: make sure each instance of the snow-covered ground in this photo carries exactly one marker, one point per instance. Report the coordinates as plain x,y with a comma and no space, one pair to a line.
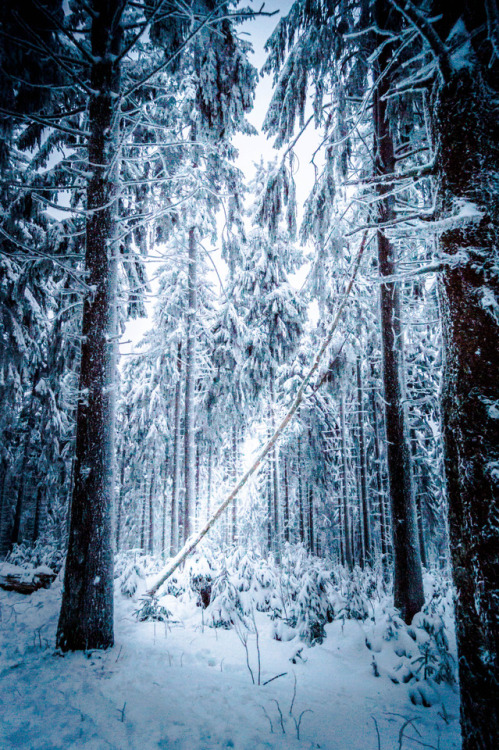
186,686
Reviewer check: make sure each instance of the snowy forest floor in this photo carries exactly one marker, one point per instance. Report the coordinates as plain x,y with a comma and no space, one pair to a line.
181,685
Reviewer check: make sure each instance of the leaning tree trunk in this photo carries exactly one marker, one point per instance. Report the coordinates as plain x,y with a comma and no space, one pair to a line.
408,576
468,134
86,617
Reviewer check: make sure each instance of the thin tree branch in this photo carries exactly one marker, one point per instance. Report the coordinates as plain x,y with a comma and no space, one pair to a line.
426,30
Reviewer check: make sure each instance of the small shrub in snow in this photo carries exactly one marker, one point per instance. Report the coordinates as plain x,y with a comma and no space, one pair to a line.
131,578
34,556
152,610
225,607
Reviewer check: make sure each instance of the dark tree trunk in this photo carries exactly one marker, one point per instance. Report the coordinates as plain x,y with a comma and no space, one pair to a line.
30,425
86,618
383,530
468,133
408,578
38,515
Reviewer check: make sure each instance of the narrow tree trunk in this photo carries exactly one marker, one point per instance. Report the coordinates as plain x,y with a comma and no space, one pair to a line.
286,501
190,380
383,530
300,494
177,437
269,505
234,478
164,523
408,578
30,425
347,544
366,511
38,515
276,508
120,498
311,519
143,522
209,480
86,618
151,512
4,510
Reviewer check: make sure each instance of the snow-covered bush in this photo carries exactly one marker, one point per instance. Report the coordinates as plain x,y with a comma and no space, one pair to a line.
41,553
131,569
225,607
152,610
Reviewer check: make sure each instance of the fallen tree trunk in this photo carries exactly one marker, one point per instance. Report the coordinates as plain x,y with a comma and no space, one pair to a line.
194,540
23,581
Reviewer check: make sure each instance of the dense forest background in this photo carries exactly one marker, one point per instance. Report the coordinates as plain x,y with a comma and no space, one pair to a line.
361,323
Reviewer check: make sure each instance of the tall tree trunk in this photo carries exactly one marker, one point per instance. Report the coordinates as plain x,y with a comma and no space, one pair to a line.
269,506
311,519
143,522
120,498
38,515
276,505
30,425
408,577
177,437
209,479
151,509
86,618
468,133
4,510
347,543
300,494
383,529
366,513
190,381
234,477
165,501
286,501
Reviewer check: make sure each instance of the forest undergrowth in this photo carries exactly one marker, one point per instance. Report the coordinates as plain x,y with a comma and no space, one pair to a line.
300,597
295,642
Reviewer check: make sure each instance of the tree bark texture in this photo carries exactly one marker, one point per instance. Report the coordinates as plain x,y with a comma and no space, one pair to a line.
174,535
408,578
86,617
347,543
190,381
468,134
366,513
